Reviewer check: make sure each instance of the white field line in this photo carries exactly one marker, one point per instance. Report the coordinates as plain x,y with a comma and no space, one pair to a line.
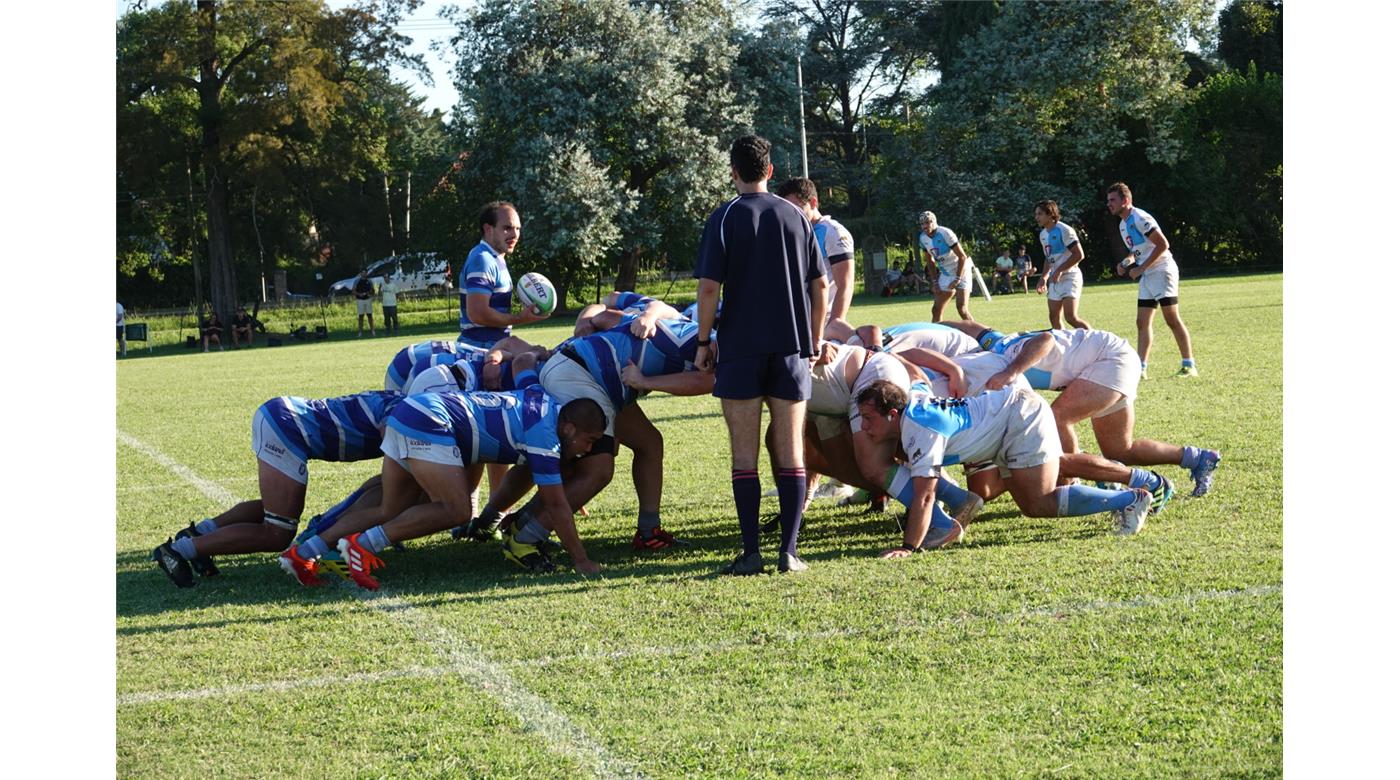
467,661
212,490
1076,608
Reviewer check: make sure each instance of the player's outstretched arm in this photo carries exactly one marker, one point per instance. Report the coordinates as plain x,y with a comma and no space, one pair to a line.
679,383
917,522
914,357
559,518
1032,353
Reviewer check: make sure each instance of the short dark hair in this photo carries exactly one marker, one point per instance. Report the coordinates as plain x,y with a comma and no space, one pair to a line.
1120,188
804,189
885,395
749,156
491,213
585,415
1051,209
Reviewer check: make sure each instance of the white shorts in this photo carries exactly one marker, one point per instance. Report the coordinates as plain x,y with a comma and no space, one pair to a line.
1158,282
947,282
566,380
828,427
365,306
1029,439
269,449
400,448
1070,285
1106,360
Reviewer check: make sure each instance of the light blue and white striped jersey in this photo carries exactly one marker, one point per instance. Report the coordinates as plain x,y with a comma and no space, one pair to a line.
345,428
521,426
400,373
670,351
834,240
1070,352
1135,230
937,431
693,310
1056,241
484,272
941,244
633,302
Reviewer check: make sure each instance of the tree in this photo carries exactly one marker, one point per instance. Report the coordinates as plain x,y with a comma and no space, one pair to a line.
1091,95
606,122
255,71
1252,31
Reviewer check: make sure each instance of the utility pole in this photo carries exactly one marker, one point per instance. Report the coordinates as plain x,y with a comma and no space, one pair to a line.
389,210
801,116
407,209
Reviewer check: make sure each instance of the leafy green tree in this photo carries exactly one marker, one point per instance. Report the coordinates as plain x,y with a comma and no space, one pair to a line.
1079,94
1231,172
606,122
1252,31
240,81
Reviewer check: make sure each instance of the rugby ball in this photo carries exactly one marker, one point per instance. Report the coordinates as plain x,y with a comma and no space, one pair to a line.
535,290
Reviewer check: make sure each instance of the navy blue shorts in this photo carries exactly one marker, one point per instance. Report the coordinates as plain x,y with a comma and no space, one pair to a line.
775,376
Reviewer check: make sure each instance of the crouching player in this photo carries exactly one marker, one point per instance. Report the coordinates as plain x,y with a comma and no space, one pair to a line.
287,432
1097,375
430,442
1012,427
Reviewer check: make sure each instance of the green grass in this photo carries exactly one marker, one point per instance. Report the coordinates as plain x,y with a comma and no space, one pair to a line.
1036,648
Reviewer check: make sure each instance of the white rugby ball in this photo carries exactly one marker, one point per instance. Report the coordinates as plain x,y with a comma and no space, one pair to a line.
535,290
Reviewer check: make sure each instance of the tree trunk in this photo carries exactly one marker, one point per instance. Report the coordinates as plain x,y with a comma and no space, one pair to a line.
627,269
222,293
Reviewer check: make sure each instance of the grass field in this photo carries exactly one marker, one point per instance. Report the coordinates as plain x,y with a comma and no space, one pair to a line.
1037,648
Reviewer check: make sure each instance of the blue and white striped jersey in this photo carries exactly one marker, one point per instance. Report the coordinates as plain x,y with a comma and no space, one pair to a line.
484,272
670,351
401,369
521,426
345,428
928,335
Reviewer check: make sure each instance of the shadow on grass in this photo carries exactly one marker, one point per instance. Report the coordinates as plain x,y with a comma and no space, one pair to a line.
438,571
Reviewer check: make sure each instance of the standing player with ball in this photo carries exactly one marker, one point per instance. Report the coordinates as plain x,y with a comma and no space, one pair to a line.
485,281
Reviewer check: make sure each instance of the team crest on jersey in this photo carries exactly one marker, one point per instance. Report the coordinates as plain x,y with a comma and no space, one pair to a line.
456,453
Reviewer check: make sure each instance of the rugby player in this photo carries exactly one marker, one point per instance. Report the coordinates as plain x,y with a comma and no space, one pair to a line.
430,441
834,241
287,433
1063,282
1150,262
1012,427
1097,377
485,285
943,252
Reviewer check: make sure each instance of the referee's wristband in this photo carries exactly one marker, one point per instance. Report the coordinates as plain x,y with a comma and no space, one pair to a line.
702,342
913,548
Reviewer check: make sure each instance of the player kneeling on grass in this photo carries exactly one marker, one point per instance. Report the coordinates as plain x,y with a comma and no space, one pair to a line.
430,442
287,432
1097,374
1012,427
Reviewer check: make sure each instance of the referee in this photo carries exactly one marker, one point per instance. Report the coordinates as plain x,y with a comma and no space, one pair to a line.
760,251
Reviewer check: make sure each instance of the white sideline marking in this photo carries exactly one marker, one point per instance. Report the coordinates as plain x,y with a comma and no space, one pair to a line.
553,727
696,648
558,733
212,490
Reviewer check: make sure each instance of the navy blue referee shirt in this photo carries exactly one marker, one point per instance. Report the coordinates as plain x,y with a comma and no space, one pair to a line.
762,250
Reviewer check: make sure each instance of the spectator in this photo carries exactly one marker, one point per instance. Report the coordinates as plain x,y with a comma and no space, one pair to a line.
1025,269
121,328
893,282
390,290
209,329
242,326
364,304
1005,265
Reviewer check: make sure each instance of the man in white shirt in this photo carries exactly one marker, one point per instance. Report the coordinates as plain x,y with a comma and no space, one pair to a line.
942,250
1150,262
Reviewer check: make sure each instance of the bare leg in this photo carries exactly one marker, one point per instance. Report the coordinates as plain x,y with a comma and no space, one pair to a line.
1055,308
401,491
940,300
963,294
449,503
1034,489
1080,400
742,418
1172,316
1114,433
638,434
1071,307
1144,328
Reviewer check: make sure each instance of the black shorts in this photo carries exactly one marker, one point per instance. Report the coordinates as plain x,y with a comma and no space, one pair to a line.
1147,303
788,377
